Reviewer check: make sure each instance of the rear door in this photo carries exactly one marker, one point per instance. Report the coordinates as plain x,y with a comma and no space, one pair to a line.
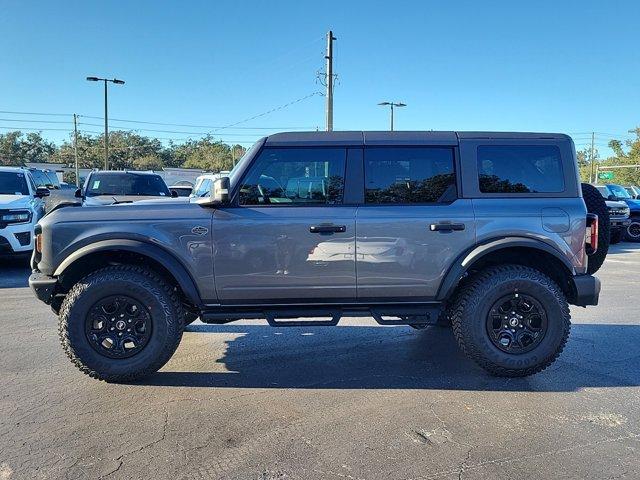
290,238
412,225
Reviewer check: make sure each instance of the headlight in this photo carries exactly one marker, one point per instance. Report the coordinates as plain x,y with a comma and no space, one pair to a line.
16,216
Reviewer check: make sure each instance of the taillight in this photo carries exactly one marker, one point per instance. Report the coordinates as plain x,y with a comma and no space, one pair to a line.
592,233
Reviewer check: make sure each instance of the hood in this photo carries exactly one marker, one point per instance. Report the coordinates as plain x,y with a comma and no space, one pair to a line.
14,201
633,204
164,200
615,204
111,199
125,216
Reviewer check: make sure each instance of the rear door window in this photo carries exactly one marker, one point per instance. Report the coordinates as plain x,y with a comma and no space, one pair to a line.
396,175
520,169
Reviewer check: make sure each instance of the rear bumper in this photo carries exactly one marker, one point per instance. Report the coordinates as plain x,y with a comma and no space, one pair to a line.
43,286
587,290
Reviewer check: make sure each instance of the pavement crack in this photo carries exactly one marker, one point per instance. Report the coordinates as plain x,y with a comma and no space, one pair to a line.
120,462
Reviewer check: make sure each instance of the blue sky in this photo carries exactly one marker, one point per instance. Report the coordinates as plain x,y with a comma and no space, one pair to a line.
567,66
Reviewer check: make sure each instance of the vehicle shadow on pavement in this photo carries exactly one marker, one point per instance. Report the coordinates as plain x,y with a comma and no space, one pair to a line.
623,247
14,271
370,357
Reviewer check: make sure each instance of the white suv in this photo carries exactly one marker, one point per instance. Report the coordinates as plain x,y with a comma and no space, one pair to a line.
21,206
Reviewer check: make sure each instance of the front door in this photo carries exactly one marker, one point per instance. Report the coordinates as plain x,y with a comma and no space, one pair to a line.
412,225
288,238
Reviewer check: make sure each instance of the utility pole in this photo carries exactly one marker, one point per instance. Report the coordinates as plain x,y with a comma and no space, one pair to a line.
329,58
593,158
75,147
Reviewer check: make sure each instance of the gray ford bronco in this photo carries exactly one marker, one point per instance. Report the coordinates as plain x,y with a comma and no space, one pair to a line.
486,232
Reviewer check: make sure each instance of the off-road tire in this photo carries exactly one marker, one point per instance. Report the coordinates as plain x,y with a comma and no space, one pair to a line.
472,305
616,236
635,224
142,284
596,204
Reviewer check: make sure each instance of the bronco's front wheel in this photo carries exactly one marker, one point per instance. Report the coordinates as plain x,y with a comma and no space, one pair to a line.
120,323
511,320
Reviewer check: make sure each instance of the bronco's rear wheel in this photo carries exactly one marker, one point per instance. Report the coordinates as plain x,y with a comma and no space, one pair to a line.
120,323
596,204
511,320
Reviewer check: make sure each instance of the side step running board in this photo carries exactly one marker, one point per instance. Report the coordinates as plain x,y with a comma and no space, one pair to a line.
324,316
280,318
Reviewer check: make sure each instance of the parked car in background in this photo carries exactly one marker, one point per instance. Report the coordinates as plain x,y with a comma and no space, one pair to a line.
21,206
67,186
634,191
620,194
45,178
183,190
109,187
203,184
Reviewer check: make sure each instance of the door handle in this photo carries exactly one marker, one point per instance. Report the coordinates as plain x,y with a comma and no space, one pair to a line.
446,227
327,228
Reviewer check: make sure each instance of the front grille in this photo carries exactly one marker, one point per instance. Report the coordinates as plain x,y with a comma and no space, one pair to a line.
23,238
618,212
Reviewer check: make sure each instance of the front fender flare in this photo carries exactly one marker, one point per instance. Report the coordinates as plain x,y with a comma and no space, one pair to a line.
464,261
145,249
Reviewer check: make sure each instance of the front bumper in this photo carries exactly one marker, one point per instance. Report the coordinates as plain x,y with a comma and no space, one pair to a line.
16,238
587,290
43,286
619,222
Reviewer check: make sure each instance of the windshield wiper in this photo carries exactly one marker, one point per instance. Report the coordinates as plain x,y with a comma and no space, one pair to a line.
117,202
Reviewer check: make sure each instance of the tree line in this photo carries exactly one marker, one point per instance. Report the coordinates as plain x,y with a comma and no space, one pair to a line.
624,153
127,150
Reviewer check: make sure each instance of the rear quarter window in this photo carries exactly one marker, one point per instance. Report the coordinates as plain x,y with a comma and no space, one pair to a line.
520,169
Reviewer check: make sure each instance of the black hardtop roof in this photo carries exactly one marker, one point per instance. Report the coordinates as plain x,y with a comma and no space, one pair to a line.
397,138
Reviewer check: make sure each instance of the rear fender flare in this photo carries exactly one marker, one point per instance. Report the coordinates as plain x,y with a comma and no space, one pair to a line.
467,259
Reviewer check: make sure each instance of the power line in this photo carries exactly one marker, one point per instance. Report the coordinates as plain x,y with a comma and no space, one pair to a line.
165,131
31,121
37,113
194,126
272,110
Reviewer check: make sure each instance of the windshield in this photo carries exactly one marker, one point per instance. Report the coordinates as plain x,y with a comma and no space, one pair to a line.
52,179
126,183
13,183
618,191
248,155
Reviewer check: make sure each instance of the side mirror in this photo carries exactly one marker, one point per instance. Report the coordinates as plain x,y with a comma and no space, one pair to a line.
174,194
220,191
78,193
42,192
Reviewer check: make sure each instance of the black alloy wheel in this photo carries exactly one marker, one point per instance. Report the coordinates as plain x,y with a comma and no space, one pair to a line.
516,323
118,326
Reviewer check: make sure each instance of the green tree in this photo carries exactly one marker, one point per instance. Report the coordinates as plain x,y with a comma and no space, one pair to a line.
17,148
148,162
208,154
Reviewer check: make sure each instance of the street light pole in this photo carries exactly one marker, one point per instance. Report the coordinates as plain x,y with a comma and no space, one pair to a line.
106,114
392,105
106,128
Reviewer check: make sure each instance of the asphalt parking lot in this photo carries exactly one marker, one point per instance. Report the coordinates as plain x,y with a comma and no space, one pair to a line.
357,401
